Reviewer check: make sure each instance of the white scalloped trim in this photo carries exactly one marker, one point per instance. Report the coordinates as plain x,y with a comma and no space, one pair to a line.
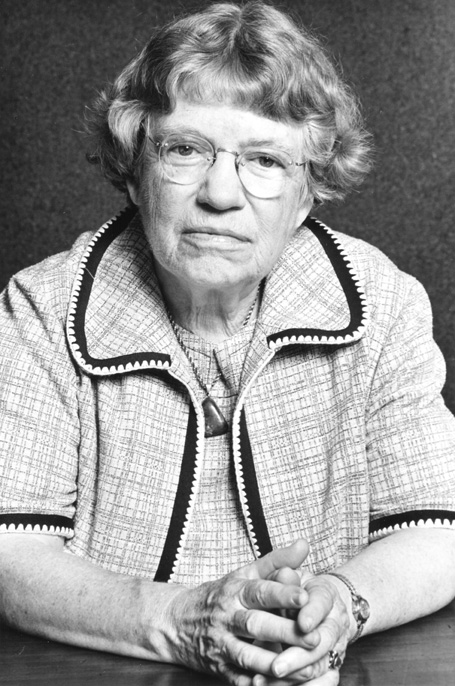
67,532
241,484
100,370
238,458
200,438
428,523
333,340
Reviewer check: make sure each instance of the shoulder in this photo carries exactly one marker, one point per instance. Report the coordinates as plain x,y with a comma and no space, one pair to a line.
55,266
47,284
388,289
371,263
400,328
390,296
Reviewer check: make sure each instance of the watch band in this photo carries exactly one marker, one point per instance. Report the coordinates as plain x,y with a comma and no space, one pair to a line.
360,606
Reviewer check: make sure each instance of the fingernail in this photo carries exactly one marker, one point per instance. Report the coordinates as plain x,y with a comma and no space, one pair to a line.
280,669
306,624
312,638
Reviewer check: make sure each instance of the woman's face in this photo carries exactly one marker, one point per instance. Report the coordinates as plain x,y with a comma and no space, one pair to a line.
214,235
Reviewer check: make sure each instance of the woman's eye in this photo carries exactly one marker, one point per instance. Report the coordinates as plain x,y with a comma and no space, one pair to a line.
183,150
266,162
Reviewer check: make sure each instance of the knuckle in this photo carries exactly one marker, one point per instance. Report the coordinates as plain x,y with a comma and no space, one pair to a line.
323,591
238,624
307,674
313,671
242,655
213,594
227,596
260,593
244,593
255,594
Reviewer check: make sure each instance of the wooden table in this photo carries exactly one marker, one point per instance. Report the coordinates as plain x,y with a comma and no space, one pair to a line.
419,654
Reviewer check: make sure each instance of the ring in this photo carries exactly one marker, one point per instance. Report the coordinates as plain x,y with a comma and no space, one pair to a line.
335,660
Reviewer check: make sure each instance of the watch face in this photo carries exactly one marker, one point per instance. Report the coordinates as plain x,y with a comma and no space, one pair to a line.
362,610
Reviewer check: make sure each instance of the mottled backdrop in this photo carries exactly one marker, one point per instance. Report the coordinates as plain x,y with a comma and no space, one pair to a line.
399,54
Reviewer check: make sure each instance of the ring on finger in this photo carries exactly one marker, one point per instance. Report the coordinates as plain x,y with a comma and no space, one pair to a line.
335,660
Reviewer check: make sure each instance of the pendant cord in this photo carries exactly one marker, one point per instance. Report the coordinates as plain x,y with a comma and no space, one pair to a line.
206,388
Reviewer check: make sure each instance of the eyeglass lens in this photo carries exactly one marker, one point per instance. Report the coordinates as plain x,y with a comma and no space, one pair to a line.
263,172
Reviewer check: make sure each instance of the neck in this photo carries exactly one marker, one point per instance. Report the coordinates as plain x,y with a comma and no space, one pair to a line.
212,314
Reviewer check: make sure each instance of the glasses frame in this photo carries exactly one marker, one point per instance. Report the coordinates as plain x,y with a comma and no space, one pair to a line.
161,146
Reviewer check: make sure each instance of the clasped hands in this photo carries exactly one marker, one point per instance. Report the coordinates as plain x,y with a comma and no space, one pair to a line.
265,623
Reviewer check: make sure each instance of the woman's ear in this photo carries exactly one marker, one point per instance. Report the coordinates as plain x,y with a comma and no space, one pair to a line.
304,210
133,191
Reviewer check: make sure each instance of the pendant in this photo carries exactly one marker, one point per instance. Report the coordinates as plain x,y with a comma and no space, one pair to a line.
215,423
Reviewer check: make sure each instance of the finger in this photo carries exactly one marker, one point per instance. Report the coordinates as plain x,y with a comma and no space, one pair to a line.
265,626
271,595
247,657
259,662
321,600
296,659
289,577
293,662
292,556
330,678
285,575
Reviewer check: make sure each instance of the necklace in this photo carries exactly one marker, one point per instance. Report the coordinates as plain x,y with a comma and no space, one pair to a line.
215,422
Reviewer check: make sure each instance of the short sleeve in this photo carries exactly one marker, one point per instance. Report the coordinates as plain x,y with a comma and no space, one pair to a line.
411,434
39,427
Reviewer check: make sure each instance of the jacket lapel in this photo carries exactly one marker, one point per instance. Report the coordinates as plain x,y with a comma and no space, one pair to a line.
117,322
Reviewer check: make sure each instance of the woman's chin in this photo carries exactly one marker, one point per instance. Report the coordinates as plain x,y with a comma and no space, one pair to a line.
214,274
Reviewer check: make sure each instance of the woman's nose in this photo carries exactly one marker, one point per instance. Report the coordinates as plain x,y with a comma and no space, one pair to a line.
221,187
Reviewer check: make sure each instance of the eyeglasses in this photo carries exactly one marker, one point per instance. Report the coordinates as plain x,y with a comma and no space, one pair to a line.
185,159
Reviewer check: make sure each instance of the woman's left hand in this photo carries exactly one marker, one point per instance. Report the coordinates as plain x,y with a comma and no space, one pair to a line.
326,621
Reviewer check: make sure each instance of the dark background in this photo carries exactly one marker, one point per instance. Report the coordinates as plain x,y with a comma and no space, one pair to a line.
399,55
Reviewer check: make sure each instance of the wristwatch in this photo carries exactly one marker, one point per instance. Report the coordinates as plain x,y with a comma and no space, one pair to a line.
360,606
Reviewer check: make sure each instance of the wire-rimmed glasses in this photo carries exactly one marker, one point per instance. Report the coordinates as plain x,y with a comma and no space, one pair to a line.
264,172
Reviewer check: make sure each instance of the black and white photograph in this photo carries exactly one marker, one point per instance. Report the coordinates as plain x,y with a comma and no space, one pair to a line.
227,357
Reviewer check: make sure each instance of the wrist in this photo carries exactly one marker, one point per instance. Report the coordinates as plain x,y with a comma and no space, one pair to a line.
358,607
159,622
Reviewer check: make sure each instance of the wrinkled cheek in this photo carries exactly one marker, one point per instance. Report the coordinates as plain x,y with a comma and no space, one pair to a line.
155,211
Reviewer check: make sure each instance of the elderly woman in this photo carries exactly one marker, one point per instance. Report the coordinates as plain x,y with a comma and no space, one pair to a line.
222,436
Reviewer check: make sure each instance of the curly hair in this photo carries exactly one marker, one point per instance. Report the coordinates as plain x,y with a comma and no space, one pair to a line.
252,56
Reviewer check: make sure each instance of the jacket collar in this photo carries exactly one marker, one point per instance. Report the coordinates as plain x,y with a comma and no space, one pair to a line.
117,322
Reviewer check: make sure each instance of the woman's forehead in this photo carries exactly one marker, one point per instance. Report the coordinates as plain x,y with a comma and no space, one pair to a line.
215,118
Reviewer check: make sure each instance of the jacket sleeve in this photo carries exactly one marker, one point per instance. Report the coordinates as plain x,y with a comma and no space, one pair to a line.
39,427
410,432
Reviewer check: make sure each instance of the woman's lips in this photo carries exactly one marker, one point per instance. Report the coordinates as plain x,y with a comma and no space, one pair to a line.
215,235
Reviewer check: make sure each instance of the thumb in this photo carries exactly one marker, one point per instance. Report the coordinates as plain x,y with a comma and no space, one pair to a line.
291,556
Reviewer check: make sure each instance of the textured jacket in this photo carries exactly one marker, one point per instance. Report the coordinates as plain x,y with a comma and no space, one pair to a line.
339,435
